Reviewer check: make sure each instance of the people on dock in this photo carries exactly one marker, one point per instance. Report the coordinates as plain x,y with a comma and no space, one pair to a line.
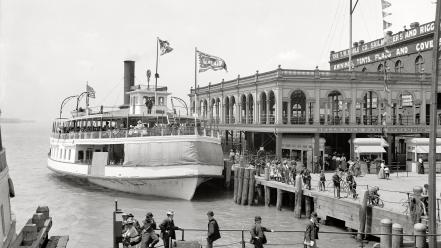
131,237
306,175
351,184
149,237
336,180
168,229
311,232
386,172
257,231
322,181
213,233
420,165
374,196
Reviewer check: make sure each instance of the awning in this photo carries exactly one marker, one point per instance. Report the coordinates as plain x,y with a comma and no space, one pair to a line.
425,149
369,149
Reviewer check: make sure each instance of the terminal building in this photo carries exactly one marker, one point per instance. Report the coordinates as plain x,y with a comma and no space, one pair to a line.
313,114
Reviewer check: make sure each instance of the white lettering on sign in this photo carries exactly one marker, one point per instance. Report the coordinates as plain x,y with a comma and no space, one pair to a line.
424,45
363,60
410,33
402,51
427,28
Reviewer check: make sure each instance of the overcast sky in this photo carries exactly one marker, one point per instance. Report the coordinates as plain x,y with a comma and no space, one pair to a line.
50,48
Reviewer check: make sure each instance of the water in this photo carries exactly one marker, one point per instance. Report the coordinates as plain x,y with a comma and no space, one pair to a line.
84,211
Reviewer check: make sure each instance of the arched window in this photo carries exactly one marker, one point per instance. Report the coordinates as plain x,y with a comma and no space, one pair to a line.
419,64
399,66
380,68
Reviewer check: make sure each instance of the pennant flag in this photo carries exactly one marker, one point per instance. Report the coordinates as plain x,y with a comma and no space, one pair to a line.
385,4
90,91
164,46
386,14
386,25
207,62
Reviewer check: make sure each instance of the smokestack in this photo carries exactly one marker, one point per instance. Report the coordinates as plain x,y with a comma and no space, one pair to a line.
129,79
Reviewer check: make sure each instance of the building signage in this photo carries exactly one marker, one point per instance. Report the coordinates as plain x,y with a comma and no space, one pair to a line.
397,129
396,38
407,129
419,46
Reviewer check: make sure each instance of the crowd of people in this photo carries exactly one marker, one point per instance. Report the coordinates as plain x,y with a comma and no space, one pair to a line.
143,235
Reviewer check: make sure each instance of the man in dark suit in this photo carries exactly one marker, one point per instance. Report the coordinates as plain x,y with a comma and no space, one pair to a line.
168,229
311,233
257,233
213,233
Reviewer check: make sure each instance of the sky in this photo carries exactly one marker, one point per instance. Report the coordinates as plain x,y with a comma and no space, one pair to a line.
49,49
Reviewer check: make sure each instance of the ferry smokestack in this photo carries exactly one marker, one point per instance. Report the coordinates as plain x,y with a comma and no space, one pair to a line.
129,79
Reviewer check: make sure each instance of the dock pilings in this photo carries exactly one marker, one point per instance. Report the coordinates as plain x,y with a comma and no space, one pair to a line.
244,185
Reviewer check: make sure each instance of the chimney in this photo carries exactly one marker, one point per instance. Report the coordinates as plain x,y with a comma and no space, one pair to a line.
129,79
414,24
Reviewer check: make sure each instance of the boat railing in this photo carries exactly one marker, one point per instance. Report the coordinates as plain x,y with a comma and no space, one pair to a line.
139,132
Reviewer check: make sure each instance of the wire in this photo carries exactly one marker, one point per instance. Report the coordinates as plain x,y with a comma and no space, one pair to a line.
331,31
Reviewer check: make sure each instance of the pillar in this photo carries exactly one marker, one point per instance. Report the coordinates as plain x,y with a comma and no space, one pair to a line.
326,112
389,109
316,155
278,106
279,199
351,146
397,240
308,206
267,109
389,150
247,105
352,115
251,187
386,231
423,108
289,110
317,106
343,110
298,197
236,183
413,112
240,184
245,186
279,137
267,196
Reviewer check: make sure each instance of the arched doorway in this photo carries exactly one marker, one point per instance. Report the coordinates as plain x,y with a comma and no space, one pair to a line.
298,108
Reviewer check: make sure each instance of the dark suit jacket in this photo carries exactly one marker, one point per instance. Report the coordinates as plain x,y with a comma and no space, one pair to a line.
168,228
311,232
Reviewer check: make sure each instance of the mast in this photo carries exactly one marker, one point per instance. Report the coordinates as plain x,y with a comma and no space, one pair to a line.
433,131
156,71
351,11
195,86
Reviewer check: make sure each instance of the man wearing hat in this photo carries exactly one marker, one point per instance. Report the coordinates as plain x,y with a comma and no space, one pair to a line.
213,230
168,229
311,233
149,237
258,237
130,236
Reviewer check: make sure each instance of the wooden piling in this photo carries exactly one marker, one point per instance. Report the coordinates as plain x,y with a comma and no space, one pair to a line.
239,185
245,188
228,165
298,200
29,232
386,231
397,239
38,220
259,195
419,229
44,210
307,206
362,216
267,195
279,199
251,187
236,179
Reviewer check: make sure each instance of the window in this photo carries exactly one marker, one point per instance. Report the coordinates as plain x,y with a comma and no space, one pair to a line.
380,68
80,155
419,64
399,66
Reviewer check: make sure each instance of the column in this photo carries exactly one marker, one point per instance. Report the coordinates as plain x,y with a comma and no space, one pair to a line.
317,106
247,105
289,110
267,109
351,145
231,113
278,107
239,112
316,155
326,112
343,110
362,113
413,119
423,108
255,110
389,149
389,109
352,115
379,113
279,144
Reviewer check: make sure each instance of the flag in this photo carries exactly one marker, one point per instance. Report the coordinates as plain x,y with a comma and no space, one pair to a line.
385,4
207,62
386,14
386,25
90,91
164,46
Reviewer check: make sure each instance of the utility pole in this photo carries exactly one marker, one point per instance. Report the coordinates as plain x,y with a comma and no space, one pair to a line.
433,131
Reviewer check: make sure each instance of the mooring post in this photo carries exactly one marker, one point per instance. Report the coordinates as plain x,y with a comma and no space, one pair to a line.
240,184
298,200
419,230
279,199
267,195
245,188
386,231
243,239
251,187
228,165
362,216
236,179
397,239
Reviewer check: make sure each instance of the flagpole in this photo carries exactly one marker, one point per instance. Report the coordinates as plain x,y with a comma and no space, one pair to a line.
195,86
156,72
87,98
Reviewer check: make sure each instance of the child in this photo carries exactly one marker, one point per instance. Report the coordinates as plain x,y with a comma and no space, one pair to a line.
322,181
386,172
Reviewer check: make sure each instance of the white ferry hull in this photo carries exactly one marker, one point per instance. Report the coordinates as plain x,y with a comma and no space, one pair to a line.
168,181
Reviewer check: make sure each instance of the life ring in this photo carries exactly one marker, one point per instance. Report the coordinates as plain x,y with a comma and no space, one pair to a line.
11,188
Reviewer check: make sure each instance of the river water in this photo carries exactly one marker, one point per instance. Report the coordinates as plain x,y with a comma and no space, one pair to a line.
84,211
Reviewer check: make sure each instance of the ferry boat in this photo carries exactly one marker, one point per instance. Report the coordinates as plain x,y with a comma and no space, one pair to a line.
141,147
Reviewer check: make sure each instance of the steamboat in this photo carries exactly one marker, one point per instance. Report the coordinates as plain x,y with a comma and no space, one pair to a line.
141,147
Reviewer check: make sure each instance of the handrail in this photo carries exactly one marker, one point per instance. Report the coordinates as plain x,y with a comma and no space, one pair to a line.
141,132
